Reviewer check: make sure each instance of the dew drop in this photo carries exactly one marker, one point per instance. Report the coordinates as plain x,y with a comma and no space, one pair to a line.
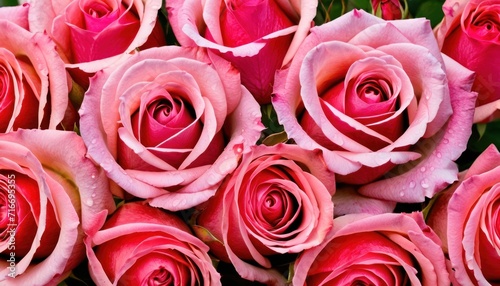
90,202
423,169
432,169
412,184
446,141
238,149
93,141
424,184
93,176
402,193
439,155
93,195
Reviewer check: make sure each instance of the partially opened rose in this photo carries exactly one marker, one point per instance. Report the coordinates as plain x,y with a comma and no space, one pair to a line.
385,249
51,195
169,124
355,91
469,33
92,35
34,84
257,36
467,218
142,245
277,201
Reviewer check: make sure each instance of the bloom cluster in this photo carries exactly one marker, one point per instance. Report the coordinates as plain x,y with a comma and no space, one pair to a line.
260,142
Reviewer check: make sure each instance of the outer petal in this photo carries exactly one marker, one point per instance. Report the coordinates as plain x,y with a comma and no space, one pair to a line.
436,169
16,14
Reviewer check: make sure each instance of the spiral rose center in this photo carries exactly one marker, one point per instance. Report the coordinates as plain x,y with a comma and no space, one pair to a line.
484,23
373,91
98,9
274,207
161,276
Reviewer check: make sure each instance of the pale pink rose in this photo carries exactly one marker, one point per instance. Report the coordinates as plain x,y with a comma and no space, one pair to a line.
467,218
385,249
277,201
469,34
51,196
381,118
92,35
257,36
34,82
142,245
169,124
388,9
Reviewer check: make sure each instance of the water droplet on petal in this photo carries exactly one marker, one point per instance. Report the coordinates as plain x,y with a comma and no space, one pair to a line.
446,141
423,169
93,176
93,195
439,155
89,202
412,184
424,184
432,169
238,148
93,141
402,193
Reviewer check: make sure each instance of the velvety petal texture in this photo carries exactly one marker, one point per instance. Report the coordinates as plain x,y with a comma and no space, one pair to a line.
384,249
470,34
51,196
467,218
83,30
148,246
169,123
257,36
277,201
383,120
33,81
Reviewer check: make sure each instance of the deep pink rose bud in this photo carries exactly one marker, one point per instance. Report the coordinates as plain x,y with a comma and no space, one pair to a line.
388,9
243,22
258,37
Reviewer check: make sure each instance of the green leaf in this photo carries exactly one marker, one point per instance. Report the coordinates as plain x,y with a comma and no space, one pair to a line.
432,10
4,3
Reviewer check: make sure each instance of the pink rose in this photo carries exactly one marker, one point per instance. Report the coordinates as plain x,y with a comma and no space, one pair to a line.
169,124
257,36
16,14
92,35
34,81
148,247
355,91
385,249
277,201
388,9
469,34
51,196
467,218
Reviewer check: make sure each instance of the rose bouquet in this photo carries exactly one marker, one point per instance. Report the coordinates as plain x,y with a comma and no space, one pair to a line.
259,142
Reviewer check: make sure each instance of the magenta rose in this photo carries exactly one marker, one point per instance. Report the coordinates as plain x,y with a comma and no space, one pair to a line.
92,35
34,84
148,247
277,201
469,33
384,249
467,218
382,119
257,36
51,195
169,124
